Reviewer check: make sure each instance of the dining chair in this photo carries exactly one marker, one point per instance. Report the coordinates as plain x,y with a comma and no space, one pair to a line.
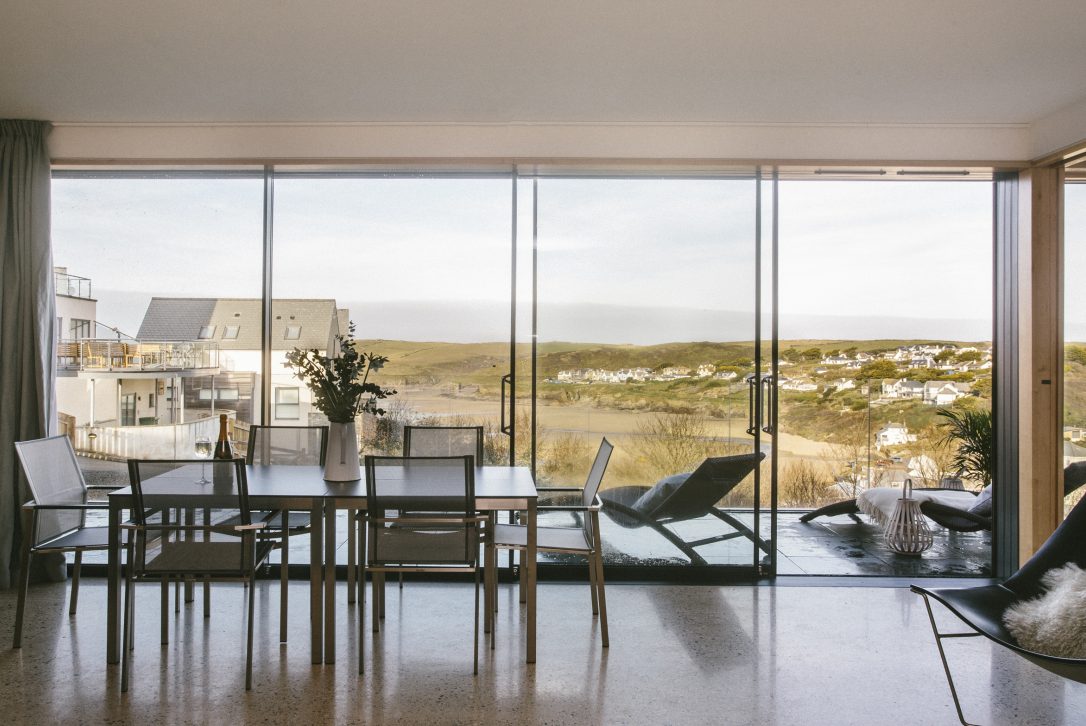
55,517
287,446
583,540
442,441
202,547
420,517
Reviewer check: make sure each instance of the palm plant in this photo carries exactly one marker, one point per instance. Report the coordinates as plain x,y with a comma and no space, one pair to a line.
971,429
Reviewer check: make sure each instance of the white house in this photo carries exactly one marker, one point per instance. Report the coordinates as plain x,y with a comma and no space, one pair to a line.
943,393
705,370
902,389
798,384
893,434
234,325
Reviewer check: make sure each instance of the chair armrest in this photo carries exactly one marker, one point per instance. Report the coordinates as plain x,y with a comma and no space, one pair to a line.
73,505
253,526
429,520
595,506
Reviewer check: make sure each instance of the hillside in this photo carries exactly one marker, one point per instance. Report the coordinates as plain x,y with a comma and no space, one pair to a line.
475,369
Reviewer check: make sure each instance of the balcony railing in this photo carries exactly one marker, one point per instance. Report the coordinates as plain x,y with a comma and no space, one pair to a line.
96,354
169,441
72,285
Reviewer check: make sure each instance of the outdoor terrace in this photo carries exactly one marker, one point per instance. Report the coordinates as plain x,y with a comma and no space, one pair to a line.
829,546
100,355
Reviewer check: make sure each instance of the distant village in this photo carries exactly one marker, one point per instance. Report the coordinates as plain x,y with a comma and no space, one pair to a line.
937,357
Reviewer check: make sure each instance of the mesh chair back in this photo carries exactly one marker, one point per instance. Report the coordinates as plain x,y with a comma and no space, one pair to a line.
177,516
595,474
424,509
444,441
713,480
289,445
54,477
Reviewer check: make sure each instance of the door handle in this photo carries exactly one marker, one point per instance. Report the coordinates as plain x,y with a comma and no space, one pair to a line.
752,426
767,406
506,429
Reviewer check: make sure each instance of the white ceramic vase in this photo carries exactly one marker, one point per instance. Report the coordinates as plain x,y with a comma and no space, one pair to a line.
341,458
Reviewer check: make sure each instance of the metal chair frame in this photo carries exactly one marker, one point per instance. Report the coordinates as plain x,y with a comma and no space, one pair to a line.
33,510
981,608
138,530
592,551
282,532
376,516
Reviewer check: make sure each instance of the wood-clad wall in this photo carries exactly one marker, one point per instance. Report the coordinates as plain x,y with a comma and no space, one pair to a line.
1040,382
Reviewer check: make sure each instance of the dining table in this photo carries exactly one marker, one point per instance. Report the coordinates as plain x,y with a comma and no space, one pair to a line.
298,488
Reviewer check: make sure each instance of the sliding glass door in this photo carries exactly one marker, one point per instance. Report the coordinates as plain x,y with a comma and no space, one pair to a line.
644,331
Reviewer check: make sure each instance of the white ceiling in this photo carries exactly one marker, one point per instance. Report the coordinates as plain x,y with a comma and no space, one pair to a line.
806,61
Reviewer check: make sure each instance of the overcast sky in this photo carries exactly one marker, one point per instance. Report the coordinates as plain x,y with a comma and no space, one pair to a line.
858,259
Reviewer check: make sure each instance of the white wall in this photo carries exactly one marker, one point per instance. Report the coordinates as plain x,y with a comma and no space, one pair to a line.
74,398
142,387
69,308
1059,130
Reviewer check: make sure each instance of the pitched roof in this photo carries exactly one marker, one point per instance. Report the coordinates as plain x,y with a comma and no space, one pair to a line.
315,321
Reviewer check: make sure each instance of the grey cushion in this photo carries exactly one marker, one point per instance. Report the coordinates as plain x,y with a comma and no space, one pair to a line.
653,498
1074,476
983,506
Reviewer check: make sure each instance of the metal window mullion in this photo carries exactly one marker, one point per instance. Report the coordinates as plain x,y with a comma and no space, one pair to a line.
1005,322
775,367
266,298
757,369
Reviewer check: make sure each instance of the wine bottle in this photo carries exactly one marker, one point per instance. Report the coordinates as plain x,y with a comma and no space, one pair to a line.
223,448
222,468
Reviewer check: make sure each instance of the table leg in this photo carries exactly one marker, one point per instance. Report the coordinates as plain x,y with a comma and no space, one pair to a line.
113,587
316,562
330,581
488,569
529,571
351,569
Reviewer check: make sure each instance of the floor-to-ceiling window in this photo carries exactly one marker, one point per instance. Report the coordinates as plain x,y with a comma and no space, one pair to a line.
645,335
155,275
886,341
620,306
1074,334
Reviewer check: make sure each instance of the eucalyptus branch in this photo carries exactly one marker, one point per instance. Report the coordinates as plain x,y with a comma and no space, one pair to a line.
340,385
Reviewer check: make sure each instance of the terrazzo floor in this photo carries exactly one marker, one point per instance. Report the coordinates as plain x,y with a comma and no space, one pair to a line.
678,655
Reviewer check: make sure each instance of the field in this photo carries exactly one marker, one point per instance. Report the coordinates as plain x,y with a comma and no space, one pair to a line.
661,427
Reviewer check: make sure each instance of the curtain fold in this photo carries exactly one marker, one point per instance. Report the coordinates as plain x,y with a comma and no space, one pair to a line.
27,317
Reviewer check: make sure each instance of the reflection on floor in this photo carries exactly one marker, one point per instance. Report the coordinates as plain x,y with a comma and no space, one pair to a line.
678,655
827,546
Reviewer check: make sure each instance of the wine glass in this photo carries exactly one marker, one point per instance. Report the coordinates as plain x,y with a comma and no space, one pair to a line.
203,451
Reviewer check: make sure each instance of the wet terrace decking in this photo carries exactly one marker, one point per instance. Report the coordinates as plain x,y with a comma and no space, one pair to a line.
841,545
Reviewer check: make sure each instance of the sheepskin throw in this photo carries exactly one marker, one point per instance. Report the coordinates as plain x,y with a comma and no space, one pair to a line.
1055,622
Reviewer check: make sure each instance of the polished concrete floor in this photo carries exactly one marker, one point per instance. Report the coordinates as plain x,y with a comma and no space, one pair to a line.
678,655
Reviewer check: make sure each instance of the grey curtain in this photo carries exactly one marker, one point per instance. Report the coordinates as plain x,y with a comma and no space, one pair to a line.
27,317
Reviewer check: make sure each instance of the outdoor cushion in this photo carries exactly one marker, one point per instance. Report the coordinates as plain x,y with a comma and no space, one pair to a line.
879,503
983,505
658,494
